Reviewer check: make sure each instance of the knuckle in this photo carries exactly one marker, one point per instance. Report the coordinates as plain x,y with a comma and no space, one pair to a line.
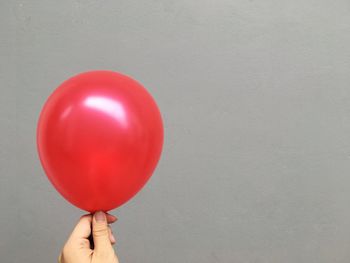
84,243
100,231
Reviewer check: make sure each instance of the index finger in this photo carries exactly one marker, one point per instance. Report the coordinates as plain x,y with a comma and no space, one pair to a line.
83,227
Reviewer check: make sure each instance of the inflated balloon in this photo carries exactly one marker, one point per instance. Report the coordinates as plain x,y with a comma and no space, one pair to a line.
99,137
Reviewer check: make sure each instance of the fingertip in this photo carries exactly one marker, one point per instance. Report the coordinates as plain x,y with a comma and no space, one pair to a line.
111,218
86,216
111,236
113,239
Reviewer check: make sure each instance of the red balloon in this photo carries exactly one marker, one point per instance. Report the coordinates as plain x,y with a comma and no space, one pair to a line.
99,138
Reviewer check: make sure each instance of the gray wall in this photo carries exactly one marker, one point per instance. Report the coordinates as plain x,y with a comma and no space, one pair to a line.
256,103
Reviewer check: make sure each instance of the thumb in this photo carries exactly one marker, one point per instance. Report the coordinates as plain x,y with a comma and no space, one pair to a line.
100,233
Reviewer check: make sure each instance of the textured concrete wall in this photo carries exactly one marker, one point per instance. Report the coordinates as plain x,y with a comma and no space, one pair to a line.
256,103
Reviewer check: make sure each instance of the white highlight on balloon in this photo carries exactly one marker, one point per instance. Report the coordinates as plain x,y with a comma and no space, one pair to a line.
108,106
66,112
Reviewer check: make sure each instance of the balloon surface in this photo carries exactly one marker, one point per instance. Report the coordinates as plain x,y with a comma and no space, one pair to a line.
99,138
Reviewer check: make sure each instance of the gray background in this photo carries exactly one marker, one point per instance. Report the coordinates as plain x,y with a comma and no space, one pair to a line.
255,99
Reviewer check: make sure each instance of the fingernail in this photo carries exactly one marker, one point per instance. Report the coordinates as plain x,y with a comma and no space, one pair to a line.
100,217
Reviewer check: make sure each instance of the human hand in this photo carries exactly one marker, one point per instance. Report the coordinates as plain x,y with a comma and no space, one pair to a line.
78,248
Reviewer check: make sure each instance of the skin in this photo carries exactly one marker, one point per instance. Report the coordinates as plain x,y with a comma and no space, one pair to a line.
77,248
